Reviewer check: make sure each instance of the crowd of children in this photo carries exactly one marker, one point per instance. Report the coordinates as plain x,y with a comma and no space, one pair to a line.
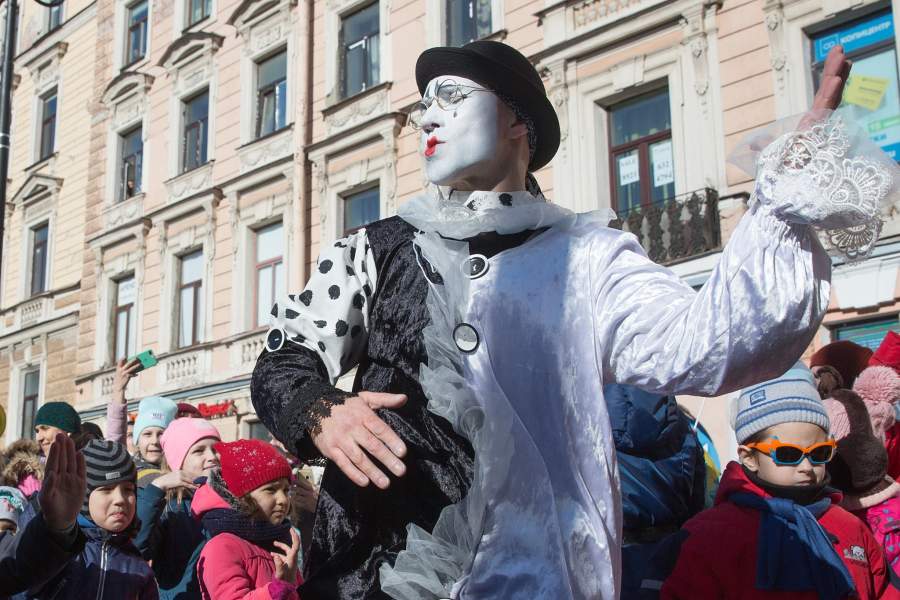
810,508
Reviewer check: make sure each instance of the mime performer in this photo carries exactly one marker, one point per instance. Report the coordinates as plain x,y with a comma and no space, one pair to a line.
474,458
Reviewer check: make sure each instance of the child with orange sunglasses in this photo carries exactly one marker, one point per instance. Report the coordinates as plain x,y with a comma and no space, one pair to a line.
776,530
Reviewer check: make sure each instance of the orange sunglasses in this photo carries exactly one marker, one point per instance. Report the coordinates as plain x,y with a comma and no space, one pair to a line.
790,454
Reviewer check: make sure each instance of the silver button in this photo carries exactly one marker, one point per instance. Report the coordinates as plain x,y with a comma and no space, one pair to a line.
475,266
466,338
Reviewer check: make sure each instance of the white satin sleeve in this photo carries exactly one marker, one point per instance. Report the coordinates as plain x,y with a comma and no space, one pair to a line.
331,315
751,320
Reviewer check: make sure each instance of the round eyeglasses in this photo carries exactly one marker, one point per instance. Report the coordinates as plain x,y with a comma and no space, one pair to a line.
449,95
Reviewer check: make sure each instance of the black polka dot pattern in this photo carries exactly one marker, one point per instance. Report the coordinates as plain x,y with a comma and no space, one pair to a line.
506,199
274,312
330,315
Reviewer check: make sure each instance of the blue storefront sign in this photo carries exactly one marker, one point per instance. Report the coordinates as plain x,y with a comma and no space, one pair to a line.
857,36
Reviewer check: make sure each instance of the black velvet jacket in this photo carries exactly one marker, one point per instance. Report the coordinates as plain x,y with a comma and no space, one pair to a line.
357,529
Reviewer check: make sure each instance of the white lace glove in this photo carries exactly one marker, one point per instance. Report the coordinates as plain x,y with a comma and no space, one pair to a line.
827,175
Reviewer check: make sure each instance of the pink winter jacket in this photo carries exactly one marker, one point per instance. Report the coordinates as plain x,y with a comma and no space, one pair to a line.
231,568
881,512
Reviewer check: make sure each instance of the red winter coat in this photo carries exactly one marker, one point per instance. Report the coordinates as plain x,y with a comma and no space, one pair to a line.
231,568
892,445
718,559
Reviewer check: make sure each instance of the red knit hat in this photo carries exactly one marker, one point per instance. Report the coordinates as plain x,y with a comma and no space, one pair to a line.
248,464
888,353
847,358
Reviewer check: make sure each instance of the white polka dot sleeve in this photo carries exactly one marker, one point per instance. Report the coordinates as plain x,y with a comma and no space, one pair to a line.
331,315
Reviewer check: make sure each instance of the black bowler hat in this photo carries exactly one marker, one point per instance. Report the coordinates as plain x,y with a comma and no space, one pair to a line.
504,70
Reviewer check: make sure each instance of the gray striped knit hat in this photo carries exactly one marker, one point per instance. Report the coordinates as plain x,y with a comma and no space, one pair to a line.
106,463
791,398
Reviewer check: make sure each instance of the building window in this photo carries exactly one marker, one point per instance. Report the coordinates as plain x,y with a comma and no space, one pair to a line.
190,299
359,51
271,94
873,85
640,150
195,115
136,47
258,431
360,209
198,10
123,319
39,239
269,270
30,392
467,21
54,16
131,163
48,125
866,333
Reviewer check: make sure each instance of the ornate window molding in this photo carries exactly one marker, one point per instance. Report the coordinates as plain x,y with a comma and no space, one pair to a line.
335,10
190,62
109,266
120,35
127,102
45,67
39,201
266,28
380,167
18,367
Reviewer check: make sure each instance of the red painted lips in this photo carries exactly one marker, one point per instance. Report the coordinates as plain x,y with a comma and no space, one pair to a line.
431,145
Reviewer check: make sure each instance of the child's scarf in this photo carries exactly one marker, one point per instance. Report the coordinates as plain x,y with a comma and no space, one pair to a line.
261,533
795,554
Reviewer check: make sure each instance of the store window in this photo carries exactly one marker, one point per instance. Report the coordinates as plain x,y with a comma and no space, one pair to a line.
873,88
866,333
640,149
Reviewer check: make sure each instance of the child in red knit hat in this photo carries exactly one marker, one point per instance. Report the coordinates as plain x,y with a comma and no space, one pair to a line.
253,551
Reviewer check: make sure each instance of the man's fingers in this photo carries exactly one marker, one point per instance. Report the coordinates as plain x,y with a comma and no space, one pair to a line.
383,400
834,62
384,433
359,459
376,448
348,468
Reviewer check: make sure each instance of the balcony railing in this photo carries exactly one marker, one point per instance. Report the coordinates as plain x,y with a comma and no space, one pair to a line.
677,228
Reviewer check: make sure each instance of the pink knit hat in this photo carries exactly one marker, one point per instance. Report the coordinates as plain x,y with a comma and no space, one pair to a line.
183,433
879,387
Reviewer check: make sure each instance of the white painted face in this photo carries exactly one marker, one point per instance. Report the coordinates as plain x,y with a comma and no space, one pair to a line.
464,141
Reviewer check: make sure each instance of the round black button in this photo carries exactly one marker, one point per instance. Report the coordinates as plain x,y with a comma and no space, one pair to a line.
466,338
275,340
475,266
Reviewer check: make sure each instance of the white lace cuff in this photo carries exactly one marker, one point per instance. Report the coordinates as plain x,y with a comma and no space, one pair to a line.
826,173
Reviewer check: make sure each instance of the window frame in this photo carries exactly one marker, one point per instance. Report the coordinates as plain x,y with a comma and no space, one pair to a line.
207,12
55,23
203,125
197,286
261,92
128,60
343,47
33,398
448,20
642,145
122,308
121,180
258,266
347,196
45,268
47,122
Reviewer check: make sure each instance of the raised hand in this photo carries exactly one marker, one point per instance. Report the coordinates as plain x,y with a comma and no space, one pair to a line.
125,371
834,77
286,564
353,429
62,494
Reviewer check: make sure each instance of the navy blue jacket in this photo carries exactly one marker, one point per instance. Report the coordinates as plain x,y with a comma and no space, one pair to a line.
108,568
661,465
171,537
33,556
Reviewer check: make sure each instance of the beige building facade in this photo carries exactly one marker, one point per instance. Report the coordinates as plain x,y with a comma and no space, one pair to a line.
205,150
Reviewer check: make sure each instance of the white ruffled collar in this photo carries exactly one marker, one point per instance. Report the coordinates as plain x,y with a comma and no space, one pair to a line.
462,215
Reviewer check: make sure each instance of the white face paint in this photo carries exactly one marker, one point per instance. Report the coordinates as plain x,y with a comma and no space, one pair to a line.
464,141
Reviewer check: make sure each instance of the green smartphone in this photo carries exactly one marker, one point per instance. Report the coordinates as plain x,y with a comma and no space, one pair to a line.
146,359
